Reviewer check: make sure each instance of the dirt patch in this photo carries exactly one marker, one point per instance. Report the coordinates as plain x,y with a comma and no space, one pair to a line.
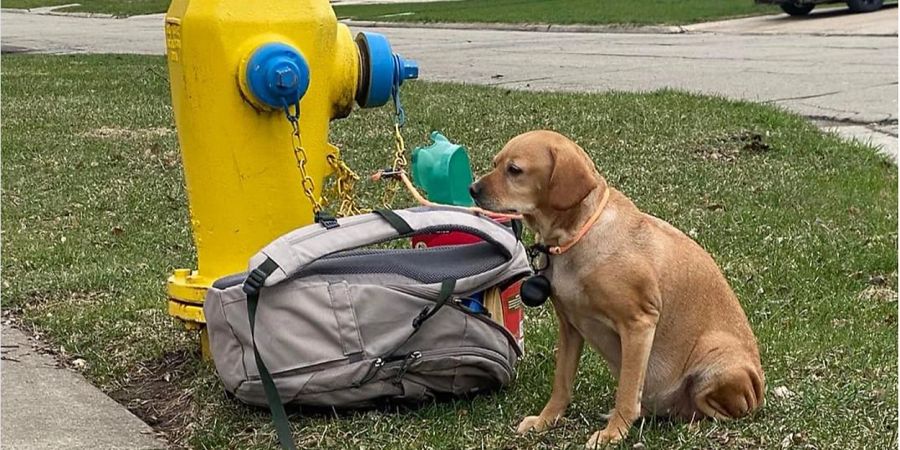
733,439
731,147
878,293
154,392
879,287
126,133
167,158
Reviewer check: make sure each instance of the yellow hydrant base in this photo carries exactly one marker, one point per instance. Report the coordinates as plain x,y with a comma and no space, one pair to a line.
186,291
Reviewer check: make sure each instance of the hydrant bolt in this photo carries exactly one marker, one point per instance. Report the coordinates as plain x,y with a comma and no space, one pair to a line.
286,78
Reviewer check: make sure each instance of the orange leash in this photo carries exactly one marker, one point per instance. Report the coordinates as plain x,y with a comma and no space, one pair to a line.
560,249
425,202
557,250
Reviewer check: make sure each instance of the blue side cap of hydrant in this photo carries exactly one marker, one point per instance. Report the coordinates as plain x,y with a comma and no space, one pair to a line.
277,75
381,69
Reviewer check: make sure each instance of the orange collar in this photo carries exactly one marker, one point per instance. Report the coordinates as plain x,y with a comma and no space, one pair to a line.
560,249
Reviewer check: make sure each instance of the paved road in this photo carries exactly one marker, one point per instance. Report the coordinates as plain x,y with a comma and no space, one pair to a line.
46,407
847,81
823,21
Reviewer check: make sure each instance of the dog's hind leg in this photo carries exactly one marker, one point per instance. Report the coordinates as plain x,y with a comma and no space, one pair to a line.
730,387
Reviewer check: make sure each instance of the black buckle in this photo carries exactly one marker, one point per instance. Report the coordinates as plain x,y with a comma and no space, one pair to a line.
536,249
254,281
390,173
417,322
327,220
535,259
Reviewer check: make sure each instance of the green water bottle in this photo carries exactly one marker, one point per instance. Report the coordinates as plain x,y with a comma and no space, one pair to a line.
442,171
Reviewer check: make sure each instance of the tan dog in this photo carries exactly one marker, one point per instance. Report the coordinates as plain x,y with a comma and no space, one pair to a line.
649,299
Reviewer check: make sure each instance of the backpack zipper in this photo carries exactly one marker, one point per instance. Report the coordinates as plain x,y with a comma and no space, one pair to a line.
509,337
306,369
410,358
466,351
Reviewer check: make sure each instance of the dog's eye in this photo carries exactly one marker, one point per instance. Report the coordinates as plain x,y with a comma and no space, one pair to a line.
513,169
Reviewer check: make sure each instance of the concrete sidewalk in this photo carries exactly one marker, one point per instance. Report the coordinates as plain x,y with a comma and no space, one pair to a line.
47,407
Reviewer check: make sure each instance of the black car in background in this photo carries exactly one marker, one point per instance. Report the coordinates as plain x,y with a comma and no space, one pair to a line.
803,7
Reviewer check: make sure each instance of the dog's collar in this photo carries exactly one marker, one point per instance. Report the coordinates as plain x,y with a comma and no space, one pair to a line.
560,249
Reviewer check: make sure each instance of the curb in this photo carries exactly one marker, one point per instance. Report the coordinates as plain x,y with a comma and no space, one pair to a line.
546,28
52,11
817,34
82,14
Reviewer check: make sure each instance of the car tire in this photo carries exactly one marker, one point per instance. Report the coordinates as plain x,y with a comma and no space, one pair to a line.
860,6
797,8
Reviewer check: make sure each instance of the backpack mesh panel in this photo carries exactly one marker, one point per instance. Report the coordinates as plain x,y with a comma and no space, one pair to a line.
430,265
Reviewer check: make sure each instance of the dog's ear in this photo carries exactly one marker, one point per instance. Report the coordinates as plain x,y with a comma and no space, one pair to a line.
572,178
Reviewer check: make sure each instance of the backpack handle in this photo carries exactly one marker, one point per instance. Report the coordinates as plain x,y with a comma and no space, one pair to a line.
303,246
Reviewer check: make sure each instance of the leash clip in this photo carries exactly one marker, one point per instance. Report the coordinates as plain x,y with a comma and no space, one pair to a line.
538,257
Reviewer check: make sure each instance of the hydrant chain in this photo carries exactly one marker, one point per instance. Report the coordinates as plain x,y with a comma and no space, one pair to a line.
399,121
400,162
309,185
345,181
399,112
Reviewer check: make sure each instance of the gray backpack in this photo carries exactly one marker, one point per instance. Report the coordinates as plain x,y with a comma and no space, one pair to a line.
321,321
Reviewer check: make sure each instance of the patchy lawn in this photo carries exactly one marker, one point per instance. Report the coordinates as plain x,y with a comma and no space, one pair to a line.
803,224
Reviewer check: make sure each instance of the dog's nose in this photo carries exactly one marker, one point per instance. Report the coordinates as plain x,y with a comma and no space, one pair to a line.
474,189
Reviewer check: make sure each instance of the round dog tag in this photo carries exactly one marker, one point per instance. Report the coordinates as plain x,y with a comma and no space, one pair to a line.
535,290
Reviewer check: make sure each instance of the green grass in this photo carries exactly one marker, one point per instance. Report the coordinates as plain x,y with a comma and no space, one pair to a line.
119,8
673,12
670,12
95,217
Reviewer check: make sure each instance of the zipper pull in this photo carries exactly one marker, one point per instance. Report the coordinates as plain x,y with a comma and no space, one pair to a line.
373,369
406,363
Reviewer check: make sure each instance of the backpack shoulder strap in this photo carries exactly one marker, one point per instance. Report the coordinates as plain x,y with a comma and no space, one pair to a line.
252,285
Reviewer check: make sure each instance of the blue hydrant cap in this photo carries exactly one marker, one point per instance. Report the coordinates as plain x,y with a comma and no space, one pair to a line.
277,75
381,70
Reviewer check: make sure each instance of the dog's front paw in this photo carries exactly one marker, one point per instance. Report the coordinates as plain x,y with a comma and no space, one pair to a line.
604,437
532,423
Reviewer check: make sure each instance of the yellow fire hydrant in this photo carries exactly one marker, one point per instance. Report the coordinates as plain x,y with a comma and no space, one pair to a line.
243,75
